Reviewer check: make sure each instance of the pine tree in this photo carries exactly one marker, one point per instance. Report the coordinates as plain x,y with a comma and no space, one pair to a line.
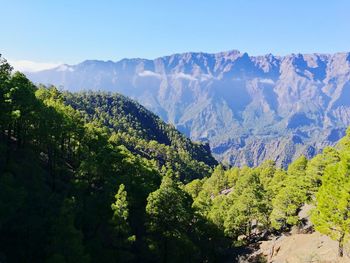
122,238
246,205
332,213
169,218
290,198
120,208
67,241
316,166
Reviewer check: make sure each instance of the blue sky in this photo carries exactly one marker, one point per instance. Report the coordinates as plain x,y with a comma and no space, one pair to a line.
72,31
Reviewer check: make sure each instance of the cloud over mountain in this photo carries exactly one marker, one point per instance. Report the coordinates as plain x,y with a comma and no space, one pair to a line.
32,66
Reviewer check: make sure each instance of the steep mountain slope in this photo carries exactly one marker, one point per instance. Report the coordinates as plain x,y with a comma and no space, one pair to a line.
249,108
144,133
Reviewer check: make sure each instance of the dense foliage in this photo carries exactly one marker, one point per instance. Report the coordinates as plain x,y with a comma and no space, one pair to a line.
143,133
74,189
95,177
249,203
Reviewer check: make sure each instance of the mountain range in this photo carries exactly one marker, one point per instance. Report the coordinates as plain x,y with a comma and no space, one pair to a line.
249,108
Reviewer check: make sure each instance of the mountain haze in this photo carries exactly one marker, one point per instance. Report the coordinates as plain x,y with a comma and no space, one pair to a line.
250,108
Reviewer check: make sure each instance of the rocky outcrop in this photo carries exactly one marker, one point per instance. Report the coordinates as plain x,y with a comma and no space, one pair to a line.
297,248
300,245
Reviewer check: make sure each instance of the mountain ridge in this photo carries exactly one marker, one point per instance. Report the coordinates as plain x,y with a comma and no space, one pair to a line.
250,108
232,53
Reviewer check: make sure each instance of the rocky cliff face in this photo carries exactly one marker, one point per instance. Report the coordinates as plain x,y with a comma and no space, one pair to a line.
250,108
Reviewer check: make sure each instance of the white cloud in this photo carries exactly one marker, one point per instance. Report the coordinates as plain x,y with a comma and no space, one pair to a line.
65,67
182,75
148,73
267,81
31,66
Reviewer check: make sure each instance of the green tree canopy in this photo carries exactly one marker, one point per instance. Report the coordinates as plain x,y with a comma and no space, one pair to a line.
332,213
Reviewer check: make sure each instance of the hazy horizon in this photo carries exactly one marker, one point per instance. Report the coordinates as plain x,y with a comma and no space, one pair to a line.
48,34
33,66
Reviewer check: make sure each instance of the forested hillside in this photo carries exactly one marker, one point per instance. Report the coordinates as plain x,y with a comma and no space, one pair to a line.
94,177
249,204
71,191
144,133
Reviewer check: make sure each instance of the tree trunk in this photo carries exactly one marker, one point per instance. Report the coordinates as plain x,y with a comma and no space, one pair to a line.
19,135
8,144
341,246
249,229
165,255
50,162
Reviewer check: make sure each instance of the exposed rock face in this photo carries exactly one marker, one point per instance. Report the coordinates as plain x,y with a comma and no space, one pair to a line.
302,248
301,244
249,108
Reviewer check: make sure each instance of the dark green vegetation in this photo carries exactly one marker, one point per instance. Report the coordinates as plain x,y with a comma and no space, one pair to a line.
94,177
143,133
75,190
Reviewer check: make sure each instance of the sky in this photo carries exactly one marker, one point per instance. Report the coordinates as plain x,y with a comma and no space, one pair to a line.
39,34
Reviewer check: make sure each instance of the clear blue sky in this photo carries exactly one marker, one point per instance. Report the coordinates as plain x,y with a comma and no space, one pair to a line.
71,31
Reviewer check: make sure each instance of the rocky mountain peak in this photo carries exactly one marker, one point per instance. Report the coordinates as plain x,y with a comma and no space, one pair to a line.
250,108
